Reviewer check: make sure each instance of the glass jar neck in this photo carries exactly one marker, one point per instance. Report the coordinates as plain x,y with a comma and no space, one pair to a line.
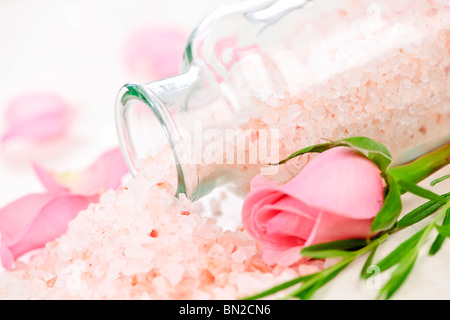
142,133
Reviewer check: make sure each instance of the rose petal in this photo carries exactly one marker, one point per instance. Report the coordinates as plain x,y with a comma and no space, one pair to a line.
37,117
155,52
331,227
105,173
261,182
289,224
284,257
48,180
341,181
15,216
252,204
31,221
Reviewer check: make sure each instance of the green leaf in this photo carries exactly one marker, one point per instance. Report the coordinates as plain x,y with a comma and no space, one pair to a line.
421,192
374,150
340,248
400,252
324,254
280,287
437,244
307,289
351,244
368,263
436,181
399,275
420,213
391,208
380,160
444,230
318,148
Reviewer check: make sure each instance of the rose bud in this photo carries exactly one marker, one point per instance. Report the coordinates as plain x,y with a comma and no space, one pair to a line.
334,197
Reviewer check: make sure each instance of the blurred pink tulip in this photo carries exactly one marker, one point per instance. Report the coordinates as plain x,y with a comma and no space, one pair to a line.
155,52
334,197
37,117
33,220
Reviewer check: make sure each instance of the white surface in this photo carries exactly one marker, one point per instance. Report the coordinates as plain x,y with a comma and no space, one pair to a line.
74,47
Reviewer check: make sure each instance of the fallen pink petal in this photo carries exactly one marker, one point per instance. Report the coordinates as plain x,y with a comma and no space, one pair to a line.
155,52
104,173
37,117
31,221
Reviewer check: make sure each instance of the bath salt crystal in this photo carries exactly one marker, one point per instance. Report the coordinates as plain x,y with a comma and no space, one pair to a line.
293,111
238,256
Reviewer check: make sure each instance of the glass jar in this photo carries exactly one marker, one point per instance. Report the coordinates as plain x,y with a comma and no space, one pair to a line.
262,79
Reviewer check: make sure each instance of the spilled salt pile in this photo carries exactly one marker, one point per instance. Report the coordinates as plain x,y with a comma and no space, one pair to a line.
140,242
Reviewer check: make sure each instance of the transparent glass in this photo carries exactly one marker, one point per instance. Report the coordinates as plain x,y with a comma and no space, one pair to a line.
262,79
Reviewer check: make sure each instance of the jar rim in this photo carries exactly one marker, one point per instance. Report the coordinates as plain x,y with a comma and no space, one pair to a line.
187,171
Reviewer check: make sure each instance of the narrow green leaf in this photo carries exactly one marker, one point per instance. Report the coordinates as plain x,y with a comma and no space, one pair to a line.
391,209
436,181
399,253
444,230
421,192
399,275
351,244
437,244
324,254
280,287
318,148
420,212
368,263
307,289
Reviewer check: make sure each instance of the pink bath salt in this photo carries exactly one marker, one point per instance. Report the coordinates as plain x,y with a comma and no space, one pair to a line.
37,117
130,246
228,51
155,52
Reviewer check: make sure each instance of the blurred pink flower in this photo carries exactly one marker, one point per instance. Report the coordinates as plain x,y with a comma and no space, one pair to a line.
106,172
35,219
37,117
155,52
334,197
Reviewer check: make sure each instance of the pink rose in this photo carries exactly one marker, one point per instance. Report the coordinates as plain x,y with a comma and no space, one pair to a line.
334,197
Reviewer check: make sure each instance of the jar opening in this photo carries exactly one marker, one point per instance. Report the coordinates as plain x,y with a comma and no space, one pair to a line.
147,129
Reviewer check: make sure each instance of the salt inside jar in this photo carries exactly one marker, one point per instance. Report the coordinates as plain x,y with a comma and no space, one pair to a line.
261,80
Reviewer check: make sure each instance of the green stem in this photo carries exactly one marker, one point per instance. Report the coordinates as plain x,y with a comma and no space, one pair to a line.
423,166
324,276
